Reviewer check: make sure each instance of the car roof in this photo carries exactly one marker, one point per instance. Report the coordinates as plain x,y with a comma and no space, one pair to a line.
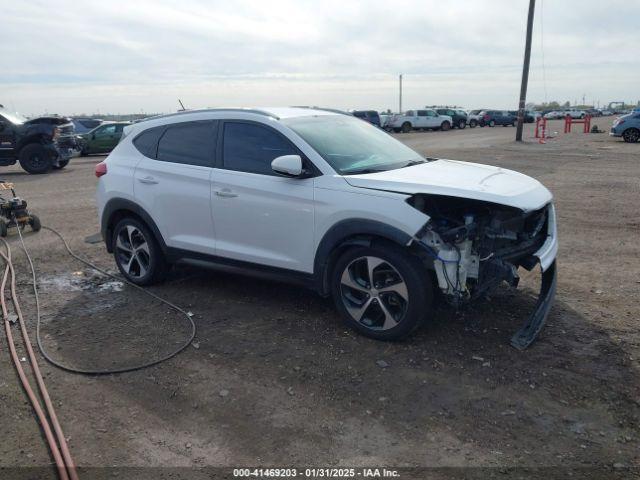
272,113
278,113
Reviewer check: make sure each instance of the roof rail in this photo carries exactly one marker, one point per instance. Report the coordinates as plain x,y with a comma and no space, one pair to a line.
322,109
202,110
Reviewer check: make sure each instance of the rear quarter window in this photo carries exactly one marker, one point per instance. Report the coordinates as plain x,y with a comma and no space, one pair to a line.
147,141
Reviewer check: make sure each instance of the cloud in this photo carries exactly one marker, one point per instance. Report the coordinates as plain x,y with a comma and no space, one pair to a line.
73,58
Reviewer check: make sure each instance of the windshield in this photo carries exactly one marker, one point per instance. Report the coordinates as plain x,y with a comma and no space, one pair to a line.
352,146
14,118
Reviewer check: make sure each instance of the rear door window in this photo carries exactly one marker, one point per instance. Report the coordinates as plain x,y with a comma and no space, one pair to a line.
191,143
249,147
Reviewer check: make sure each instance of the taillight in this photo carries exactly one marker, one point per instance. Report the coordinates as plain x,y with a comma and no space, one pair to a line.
101,169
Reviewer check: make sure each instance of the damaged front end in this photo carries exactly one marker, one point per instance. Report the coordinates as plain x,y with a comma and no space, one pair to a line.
474,246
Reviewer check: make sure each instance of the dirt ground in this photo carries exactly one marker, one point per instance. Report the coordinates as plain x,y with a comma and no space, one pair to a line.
275,379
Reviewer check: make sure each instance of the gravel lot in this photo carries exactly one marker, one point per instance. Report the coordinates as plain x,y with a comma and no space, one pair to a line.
274,379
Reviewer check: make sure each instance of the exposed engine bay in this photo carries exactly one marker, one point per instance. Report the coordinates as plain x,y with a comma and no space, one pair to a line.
476,245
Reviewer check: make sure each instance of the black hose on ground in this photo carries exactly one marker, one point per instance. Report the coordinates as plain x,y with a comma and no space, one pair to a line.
132,368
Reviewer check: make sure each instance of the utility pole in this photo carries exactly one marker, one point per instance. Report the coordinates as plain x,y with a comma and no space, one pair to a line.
525,71
400,99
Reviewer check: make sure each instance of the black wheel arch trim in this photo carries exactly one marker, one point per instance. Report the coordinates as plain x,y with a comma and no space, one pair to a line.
357,232
120,204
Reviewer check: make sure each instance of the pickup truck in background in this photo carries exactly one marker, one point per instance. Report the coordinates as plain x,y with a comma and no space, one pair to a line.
415,119
33,143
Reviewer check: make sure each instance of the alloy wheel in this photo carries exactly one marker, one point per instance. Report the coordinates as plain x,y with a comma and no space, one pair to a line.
374,293
632,135
132,251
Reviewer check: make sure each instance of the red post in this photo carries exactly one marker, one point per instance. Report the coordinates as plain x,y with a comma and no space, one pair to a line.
541,127
567,123
587,124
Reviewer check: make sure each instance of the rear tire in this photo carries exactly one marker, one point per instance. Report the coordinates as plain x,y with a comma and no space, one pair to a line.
392,304
462,124
35,159
34,223
406,127
631,135
137,253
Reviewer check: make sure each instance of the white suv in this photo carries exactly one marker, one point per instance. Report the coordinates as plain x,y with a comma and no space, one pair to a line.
328,200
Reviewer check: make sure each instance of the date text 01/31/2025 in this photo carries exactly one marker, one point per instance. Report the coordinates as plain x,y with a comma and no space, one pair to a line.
315,473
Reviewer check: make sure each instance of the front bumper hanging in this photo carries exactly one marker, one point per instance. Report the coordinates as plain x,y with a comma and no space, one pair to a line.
531,328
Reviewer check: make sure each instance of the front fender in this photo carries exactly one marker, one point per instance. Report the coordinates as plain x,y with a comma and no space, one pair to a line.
356,231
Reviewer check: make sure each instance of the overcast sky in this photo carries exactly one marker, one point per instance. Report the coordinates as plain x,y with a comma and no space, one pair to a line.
115,57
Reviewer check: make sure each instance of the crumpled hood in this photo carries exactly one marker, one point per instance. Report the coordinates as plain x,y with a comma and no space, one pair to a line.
460,179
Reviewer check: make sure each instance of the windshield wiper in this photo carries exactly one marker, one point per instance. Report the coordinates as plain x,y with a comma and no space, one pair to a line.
414,162
364,171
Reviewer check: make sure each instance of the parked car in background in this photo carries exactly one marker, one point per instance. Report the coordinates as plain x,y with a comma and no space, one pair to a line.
627,127
67,140
594,112
33,143
474,117
379,227
606,112
371,116
85,125
491,118
426,118
103,138
575,113
529,116
458,117
554,115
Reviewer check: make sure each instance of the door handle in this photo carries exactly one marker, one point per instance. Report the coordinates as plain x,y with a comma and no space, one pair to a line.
226,193
148,180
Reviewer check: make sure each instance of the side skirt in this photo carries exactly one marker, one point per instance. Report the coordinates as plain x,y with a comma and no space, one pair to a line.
283,275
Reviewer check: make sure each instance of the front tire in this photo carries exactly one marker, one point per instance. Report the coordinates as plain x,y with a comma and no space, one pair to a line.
35,159
406,127
382,292
137,253
61,164
631,135
462,124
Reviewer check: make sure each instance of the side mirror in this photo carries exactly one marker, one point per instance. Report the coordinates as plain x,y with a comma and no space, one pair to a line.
288,165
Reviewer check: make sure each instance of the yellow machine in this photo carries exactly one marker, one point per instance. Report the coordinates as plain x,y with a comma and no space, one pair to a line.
14,212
